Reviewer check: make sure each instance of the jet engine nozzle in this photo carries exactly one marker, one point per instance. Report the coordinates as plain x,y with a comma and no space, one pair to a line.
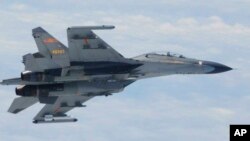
19,90
35,76
35,90
26,90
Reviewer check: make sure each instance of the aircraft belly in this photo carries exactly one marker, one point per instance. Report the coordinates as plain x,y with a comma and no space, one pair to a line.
82,88
99,87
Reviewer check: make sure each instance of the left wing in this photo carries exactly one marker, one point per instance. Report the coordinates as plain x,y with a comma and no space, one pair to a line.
55,112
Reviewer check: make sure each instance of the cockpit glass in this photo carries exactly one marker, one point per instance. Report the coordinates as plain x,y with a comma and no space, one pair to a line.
169,54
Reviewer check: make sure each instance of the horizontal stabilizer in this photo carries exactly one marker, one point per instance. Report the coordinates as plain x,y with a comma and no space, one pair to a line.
21,103
12,81
30,63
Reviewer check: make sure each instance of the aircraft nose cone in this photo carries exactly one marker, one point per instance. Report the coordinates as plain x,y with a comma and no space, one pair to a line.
218,68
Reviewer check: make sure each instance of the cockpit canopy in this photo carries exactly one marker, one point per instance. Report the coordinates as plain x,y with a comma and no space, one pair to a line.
168,54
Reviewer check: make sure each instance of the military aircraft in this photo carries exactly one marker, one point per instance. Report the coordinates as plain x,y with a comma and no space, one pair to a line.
63,77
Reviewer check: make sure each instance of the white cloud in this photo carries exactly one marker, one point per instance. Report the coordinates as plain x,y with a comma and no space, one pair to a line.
126,118
18,6
221,113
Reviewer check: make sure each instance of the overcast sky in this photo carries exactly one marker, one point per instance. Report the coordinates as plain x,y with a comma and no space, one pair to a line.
174,108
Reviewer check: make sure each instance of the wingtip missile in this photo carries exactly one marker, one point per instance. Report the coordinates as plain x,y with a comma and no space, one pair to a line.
102,27
52,119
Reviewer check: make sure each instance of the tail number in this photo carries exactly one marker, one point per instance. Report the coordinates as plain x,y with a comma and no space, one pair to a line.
57,51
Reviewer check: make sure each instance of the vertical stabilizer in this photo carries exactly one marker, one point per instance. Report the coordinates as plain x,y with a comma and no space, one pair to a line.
50,47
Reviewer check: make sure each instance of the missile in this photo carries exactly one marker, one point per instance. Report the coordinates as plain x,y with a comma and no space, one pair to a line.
52,119
102,27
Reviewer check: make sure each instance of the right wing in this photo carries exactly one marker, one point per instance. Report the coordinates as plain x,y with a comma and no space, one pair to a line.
86,46
55,111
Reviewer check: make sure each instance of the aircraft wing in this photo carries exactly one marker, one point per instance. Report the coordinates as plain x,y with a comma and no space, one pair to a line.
55,112
86,46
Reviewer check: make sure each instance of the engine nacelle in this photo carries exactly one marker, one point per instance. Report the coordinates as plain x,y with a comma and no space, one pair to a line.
38,90
35,76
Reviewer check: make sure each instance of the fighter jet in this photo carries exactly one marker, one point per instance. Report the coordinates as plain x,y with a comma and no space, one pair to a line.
64,78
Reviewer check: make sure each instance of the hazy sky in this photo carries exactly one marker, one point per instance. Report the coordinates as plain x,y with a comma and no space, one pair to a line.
174,108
